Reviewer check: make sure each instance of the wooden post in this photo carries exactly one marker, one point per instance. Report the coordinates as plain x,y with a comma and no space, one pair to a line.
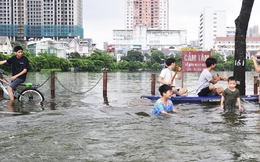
53,106
255,85
52,84
153,84
105,86
1,90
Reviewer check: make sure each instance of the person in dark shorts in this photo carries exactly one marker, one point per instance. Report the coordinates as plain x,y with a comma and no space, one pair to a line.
207,80
20,66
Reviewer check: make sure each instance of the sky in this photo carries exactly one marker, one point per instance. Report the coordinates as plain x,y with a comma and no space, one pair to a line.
101,17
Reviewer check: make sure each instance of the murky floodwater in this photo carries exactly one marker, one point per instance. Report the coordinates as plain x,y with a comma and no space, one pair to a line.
79,127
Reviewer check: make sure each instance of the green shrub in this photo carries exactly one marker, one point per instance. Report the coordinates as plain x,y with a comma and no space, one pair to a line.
50,70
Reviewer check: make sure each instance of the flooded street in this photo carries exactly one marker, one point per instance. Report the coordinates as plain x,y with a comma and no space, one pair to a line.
78,126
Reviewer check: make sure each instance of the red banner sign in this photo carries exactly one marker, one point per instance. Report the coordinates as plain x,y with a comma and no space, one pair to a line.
194,61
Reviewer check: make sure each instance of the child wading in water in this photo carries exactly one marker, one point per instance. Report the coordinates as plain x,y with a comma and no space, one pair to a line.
230,97
164,106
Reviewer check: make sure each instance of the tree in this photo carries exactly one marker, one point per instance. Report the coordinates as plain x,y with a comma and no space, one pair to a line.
220,57
157,57
123,65
178,58
134,55
65,64
74,55
134,65
229,64
156,66
240,44
102,60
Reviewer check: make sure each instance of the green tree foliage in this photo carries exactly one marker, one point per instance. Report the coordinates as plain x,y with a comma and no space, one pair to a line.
249,64
178,58
157,57
65,64
123,65
40,62
229,64
134,55
144,65
220,57
156,66
102,60
74,55
5,67
98,60
134,65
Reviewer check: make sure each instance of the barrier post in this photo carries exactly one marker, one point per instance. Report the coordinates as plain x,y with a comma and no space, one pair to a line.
52,84
105,86
153,84
255,85
1,90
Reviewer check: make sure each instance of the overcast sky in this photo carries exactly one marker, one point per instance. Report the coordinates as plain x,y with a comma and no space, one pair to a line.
101,17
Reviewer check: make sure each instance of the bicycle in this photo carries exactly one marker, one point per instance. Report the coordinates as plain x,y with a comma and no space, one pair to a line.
29,94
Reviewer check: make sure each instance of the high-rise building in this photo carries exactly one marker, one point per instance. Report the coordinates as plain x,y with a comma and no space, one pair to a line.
24,19
212,25
154,14
231,31
253,31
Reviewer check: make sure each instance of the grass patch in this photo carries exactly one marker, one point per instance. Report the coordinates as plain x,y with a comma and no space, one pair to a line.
50,70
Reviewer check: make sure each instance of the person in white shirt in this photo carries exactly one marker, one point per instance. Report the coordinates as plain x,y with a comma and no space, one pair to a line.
167,74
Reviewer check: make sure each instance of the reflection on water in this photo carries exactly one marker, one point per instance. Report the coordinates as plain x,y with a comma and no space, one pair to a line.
80,127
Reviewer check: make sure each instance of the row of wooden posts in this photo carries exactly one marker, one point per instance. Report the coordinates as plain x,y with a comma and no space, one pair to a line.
153,81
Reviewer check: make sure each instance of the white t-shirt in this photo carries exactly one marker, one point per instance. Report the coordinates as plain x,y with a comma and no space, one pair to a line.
204,80
167,75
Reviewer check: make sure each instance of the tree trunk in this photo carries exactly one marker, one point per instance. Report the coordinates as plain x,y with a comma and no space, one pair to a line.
240,44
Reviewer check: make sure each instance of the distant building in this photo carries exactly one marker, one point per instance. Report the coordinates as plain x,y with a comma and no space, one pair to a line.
5,45
25,19
194,43
253,31
231,31
141,38
226,45
154,14
81,46
147,26
110,48
61,48
212,25
47,45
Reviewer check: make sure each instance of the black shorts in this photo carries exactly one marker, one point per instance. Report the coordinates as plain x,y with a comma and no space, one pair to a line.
207,92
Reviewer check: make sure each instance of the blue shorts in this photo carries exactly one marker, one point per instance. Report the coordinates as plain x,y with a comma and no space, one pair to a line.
15,83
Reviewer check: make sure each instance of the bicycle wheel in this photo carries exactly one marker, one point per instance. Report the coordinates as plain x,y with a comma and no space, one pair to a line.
32,96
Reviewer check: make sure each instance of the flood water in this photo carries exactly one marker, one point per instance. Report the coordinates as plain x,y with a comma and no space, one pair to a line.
77,126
